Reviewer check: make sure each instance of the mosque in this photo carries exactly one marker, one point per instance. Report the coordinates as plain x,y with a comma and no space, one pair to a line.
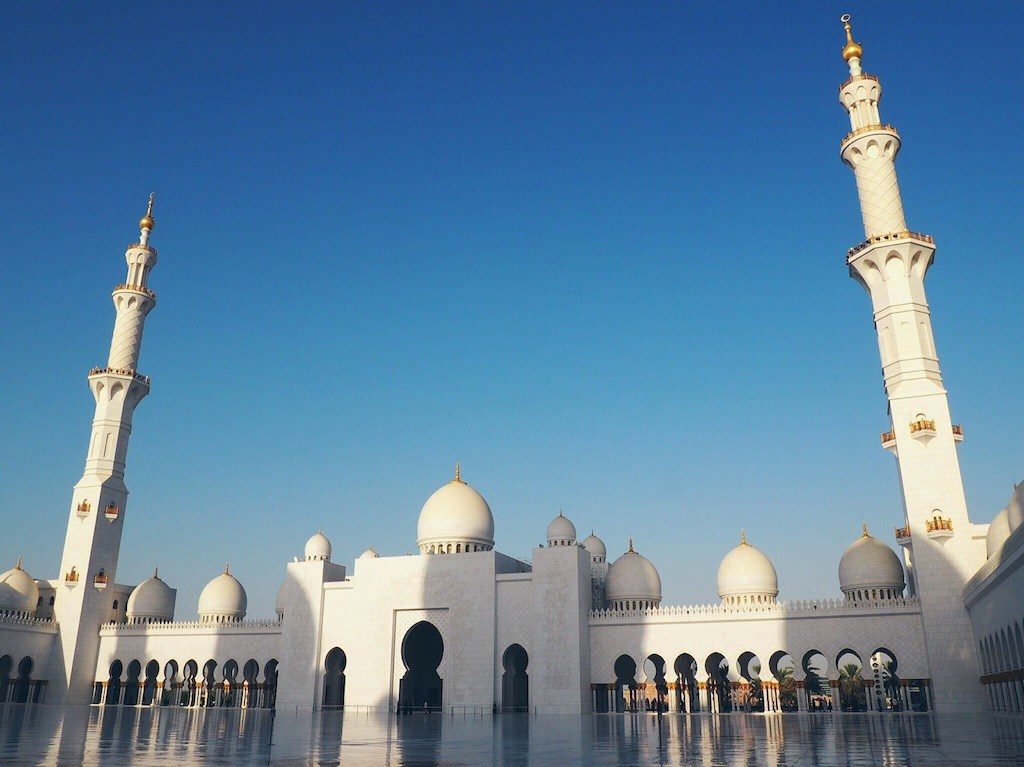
463,627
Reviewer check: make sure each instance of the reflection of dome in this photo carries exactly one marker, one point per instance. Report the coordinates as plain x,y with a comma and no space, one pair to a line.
561,531
18,591
318,548
152,601
370,553
223,599
870,570
632,582
998,532
279,600
455,519
1015,508
747,576
595,547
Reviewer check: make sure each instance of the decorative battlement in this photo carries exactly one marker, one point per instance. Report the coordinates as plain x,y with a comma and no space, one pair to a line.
83,509
112,512
922,424
887,437
141,246
868,129
137,289
958,433
904,235
20,619
260,626
861,76
71,578
100,580
938,524
806,607
903,534
120,372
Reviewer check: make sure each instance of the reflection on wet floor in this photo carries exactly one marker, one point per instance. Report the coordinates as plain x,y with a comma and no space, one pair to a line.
164,736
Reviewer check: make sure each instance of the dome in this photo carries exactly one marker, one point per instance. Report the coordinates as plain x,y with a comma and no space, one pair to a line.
998,532
595,547
1015,508
632,578
561,531
18,591
455,518
279,600
151,601
870,570
370,553
223,599
746,574
318,548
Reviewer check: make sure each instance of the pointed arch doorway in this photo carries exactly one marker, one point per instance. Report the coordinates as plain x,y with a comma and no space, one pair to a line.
421,686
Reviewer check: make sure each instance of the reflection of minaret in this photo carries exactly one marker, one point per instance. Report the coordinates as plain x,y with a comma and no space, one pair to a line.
891,265
98,502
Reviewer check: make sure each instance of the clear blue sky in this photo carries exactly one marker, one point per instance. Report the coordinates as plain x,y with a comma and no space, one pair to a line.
595,252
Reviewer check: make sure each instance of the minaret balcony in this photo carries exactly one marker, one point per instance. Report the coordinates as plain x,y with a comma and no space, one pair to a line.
878,128
922,428
904,235
938,528
889,440
112,512
958,433
861,76
142,246
903,535
71,578
136,288
83,509
100,581
126,372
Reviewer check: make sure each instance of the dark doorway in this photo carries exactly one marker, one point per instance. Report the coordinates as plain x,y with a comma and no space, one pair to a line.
420,688
625,684
334,678
131,687
24,680
114,683
515,682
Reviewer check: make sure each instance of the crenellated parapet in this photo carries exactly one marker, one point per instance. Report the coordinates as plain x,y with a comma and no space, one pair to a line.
268,626
797,608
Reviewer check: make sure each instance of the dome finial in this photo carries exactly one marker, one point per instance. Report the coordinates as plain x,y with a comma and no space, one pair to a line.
458,472
227,568
147,222
156,572
631,544
743,537
864,530
852,49
21,561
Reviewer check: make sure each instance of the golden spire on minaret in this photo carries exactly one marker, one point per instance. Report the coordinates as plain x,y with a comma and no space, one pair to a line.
458,472
852,49
147,221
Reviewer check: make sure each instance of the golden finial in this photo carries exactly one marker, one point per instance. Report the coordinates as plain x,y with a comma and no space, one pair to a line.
227,568
631,544
156,572
458,472
743,537
20,562
864,530
852,49
147,221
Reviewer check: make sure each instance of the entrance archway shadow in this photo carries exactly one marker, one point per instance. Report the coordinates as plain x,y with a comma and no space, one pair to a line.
421,686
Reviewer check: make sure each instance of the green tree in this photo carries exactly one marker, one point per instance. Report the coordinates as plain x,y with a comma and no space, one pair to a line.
852,695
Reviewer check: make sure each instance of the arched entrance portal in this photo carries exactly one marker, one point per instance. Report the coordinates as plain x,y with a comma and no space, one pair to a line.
334,678
515,682
422,650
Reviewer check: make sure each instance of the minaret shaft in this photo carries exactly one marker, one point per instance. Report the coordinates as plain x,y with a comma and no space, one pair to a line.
99,500
891,265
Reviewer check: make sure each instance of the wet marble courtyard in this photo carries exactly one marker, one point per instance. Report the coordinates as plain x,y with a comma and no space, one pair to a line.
49,735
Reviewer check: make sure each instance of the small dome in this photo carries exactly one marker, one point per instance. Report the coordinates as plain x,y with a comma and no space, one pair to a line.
747,572
370,553
152,600
279,600
997,534
223,599
318,548
455,516
1015,508
632,577
869,565
561,531
18,591
595,547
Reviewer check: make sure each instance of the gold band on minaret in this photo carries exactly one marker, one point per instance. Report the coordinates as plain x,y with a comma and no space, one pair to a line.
852,50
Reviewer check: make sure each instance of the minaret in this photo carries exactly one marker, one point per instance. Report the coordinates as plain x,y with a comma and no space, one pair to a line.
891,265
99,499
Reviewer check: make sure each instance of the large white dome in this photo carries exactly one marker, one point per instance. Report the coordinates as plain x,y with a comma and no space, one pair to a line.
318,548
997,534
561,531
632,579
595,547
18,591
746,576
1015,508
455,519
870,570
151,601
223,599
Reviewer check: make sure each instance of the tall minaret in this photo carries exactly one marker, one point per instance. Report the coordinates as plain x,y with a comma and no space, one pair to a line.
891,264
99,499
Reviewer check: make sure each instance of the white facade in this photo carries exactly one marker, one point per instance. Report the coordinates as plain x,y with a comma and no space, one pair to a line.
462,626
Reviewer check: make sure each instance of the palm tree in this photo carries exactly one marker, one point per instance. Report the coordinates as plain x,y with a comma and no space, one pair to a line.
851,688
787,689
891,684
813,682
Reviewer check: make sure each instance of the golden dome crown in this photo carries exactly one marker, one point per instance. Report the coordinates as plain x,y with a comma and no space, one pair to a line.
852,50
147,221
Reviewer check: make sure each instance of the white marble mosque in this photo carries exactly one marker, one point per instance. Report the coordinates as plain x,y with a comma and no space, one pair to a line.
461,626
